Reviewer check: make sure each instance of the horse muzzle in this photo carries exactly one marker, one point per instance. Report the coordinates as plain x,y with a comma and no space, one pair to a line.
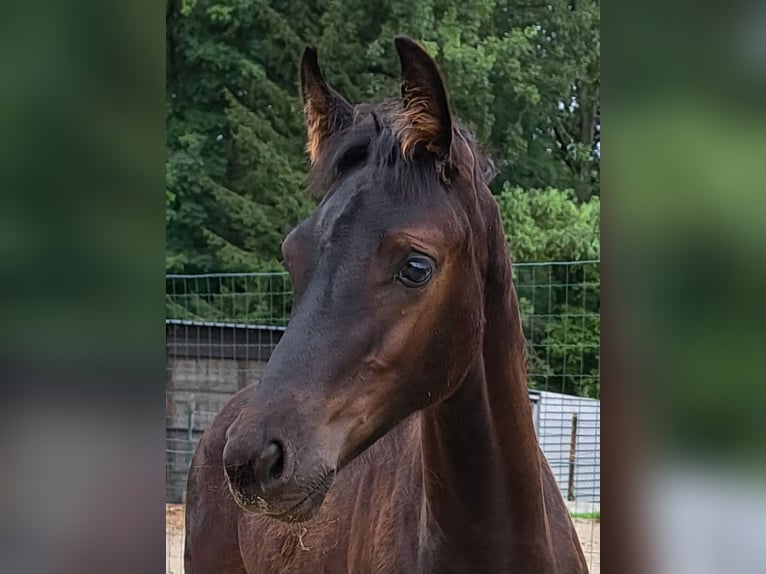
266,476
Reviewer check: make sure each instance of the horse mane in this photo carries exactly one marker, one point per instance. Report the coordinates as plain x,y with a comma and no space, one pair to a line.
375,139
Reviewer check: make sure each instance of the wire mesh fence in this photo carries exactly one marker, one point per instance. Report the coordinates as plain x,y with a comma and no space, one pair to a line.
248,298
222,328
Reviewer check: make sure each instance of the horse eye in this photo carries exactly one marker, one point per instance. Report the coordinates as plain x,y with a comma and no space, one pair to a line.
416,271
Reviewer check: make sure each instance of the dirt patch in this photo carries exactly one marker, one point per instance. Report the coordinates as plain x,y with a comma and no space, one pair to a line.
174,517
174,538
589,532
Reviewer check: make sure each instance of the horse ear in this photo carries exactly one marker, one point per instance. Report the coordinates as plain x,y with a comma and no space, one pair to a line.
325,110
425,118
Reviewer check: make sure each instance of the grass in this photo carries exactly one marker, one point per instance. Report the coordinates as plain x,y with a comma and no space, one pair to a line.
586,515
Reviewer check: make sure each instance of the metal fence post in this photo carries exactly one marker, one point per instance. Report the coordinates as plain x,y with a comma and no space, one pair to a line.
190,420
189,431
572,452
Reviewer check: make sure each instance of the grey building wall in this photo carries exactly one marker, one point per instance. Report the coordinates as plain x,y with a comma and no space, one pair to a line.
197,390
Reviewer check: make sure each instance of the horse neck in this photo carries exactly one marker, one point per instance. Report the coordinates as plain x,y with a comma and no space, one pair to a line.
481,460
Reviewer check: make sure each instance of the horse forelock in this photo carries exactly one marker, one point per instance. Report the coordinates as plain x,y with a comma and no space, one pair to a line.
377,141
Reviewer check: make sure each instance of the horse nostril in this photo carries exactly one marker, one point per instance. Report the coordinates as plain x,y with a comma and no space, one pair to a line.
258,473
270,463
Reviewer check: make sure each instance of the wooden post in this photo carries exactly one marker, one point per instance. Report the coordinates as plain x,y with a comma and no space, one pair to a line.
572,451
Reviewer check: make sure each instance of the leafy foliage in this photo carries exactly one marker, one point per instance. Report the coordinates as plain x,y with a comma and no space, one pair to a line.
560,303
549,225
235,166
525,76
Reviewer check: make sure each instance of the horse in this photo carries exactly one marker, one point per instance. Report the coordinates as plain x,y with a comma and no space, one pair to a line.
391,431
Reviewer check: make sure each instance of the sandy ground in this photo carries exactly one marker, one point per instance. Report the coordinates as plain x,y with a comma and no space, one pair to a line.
588,530
174,538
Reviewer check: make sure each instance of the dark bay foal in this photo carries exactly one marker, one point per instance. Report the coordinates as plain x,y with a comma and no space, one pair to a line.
392,430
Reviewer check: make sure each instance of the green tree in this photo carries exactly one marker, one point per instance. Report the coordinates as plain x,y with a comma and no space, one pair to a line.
524,76
234,133
546,83
560,302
